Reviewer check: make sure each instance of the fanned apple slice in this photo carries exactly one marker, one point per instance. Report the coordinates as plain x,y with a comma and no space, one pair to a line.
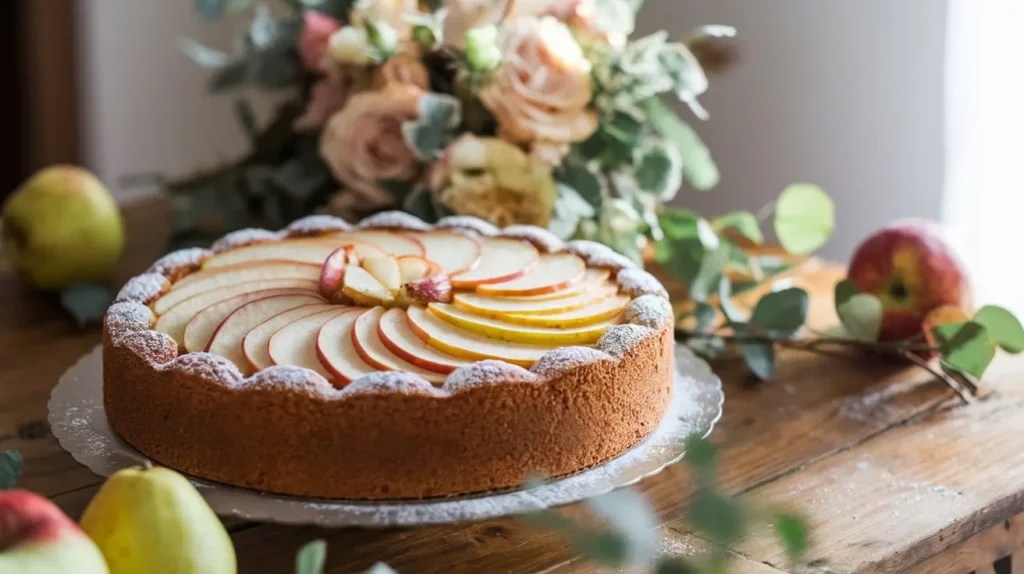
453,251
295,343
553,271
592,279
498,307
174,319
336,348
199,331
256,341
298,250
363,288
227,339
398,337
392,242
370,347
514,333
500,260
455,341
226,277
603,310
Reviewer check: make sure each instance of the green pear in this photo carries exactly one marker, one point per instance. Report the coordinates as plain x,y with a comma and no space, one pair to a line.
62,227
153,520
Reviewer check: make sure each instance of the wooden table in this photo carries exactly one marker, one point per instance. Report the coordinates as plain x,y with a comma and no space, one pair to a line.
892,473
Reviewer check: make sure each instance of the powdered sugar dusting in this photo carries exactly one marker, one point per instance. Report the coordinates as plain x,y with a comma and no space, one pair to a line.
291,378
390,381
561,361
467,222
621,339
599,255
180,261
637,282
541,238
317,224
649,311
208,366
142,288
154,346
487,373
128,316
394,220
243,237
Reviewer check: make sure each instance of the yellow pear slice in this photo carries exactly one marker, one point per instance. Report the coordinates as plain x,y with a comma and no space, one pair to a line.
498,307
593,279
513,333
603,310
455,341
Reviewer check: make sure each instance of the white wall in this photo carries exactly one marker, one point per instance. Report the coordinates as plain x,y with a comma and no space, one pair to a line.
145,107
844,93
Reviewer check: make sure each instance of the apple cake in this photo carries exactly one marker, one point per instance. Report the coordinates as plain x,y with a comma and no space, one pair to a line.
390,359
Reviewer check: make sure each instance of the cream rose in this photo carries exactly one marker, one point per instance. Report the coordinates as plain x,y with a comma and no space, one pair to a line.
464,15
542,90
363,143
395,13
403,68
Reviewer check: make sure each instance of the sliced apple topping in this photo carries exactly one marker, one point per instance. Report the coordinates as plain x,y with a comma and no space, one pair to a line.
596,312
215,279
399,338
256,342
455,252
500,260
227,339
336,348
347,278
295,343
515,333
553,272
297,250
362,288
385,270
423,282
370,347
498,307
450,339
389,241
201,328
592,279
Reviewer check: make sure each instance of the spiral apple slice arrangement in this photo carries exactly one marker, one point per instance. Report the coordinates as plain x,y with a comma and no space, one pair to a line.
353,302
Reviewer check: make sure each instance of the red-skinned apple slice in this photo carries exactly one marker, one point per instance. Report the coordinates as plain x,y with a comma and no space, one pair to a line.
297,250
389,241
398,337
413,267
498,307
370,347
500,260
36,537
363,289
455,341
227,277
256,341
227,339
201,328
423,282
295,343
454,252
593,279
332,273
553,272
515,333
336,349
174,320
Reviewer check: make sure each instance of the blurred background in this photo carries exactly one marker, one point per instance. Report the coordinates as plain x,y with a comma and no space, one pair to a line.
909,108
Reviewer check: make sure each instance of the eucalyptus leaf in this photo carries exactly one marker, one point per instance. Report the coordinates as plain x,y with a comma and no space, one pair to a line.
861,315
660,171
203,56
230,77
698,167
582,180
674,565
781,313
1004,328
570,208
843,291
759,355
744,222
729,309
631,517
713,31
11,463
717,515
700,453
678,223
711,268
311,557
246,117
429,134
966,346
87,302
793,533
211,9
263,28
804,218
615,17
705,314
606,548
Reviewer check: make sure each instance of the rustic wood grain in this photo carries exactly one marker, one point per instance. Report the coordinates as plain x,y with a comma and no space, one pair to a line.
984,549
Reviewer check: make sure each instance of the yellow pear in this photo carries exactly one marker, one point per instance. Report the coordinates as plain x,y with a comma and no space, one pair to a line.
62,227
153,520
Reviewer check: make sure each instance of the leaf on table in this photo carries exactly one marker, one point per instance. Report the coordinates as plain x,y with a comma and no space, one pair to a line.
804,218
966,347
861,315
632,518
1004,328
700,453
792,531
311,557
744,222
87,302
11,463
717,515
781,313
674,565
844,290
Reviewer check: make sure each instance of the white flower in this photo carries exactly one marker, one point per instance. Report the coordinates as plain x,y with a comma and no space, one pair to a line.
351,45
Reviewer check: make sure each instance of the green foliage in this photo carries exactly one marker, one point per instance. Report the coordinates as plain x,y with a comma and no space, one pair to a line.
87,302
965,347
570,209
860,314
758,354
311,557
793,533
429,134
1004,328
698,167
744,222
843,291
781,313
804,218
11,463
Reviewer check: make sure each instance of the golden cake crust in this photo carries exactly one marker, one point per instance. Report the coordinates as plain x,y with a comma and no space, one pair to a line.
387,435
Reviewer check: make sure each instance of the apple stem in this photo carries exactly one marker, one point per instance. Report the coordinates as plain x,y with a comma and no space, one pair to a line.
147,464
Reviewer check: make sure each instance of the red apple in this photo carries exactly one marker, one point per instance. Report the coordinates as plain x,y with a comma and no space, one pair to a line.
35,536
912,270
332,274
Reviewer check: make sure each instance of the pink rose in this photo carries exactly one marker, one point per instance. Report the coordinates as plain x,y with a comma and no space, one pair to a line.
317,29
363,143
327,96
